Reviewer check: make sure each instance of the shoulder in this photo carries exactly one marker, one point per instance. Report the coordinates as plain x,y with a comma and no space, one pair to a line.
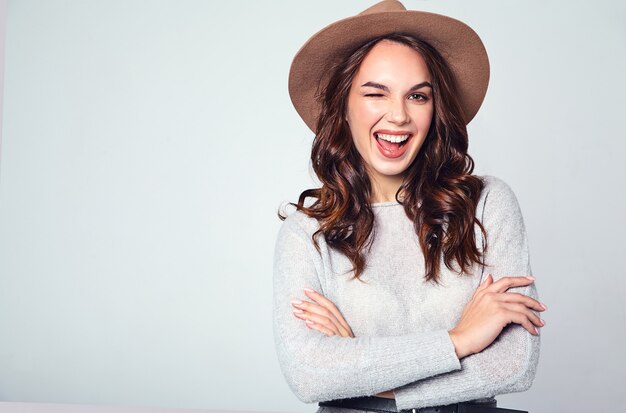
496,194
498,209
496,186
295,238
300,222
297,225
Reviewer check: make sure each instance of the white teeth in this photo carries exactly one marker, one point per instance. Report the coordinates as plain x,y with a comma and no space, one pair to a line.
393,138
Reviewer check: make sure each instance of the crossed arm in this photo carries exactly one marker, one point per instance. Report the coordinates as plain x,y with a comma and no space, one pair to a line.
485,316
493,349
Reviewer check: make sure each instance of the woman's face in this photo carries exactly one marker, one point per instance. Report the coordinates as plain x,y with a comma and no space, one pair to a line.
389,110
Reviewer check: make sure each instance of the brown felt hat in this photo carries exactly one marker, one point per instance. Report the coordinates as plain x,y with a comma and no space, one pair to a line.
459,45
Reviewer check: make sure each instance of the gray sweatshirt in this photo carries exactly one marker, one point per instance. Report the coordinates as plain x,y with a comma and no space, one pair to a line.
400,322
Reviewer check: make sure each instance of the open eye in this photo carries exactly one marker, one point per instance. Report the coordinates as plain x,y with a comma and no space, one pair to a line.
418,97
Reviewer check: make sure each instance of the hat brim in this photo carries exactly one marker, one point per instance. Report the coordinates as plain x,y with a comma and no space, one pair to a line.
459,45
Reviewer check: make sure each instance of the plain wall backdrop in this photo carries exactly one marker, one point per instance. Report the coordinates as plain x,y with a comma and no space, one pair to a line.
147,145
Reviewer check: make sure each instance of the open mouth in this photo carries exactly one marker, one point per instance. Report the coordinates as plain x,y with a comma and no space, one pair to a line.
392,145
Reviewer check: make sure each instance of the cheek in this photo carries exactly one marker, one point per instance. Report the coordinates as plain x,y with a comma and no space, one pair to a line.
366,115
362,117
423,119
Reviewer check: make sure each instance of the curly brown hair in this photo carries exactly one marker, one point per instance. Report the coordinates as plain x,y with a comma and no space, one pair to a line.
439,191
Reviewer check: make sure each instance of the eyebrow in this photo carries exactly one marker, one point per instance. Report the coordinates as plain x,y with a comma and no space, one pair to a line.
386,89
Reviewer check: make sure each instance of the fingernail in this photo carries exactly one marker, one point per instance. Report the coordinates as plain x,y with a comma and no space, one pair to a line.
297,311
308,290
543,322
531,278
536,331
309,322
296,302
543,306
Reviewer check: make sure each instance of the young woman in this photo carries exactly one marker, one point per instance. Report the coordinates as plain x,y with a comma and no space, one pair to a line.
403,282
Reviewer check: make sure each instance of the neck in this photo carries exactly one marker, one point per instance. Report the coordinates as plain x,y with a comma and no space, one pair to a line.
385,189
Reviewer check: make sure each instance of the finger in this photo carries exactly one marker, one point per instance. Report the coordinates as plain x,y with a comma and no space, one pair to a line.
326,303
522,309
329,324
487,281
330,306
306,317
314,308
505,283
521,319
320,328
320,319
524,299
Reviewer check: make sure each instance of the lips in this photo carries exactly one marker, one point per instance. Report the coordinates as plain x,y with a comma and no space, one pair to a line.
392,144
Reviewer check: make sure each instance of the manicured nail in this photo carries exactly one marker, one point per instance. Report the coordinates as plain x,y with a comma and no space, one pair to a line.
543,306
308,290
297,311
543,322
531,278
309,322
536,331
296,302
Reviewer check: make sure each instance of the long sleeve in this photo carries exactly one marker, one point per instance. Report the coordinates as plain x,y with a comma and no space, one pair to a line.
509,363
319,368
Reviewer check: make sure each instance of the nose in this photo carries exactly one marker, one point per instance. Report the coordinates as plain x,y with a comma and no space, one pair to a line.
397,113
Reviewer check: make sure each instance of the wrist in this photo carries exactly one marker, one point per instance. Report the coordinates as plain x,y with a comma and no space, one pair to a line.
457,342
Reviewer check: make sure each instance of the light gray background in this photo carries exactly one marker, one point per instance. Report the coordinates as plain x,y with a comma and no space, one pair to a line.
147,145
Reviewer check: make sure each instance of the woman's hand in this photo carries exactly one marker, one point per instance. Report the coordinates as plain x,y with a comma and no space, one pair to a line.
490,310
321,315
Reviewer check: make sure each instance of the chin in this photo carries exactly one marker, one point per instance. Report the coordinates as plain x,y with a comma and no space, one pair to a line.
391,172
